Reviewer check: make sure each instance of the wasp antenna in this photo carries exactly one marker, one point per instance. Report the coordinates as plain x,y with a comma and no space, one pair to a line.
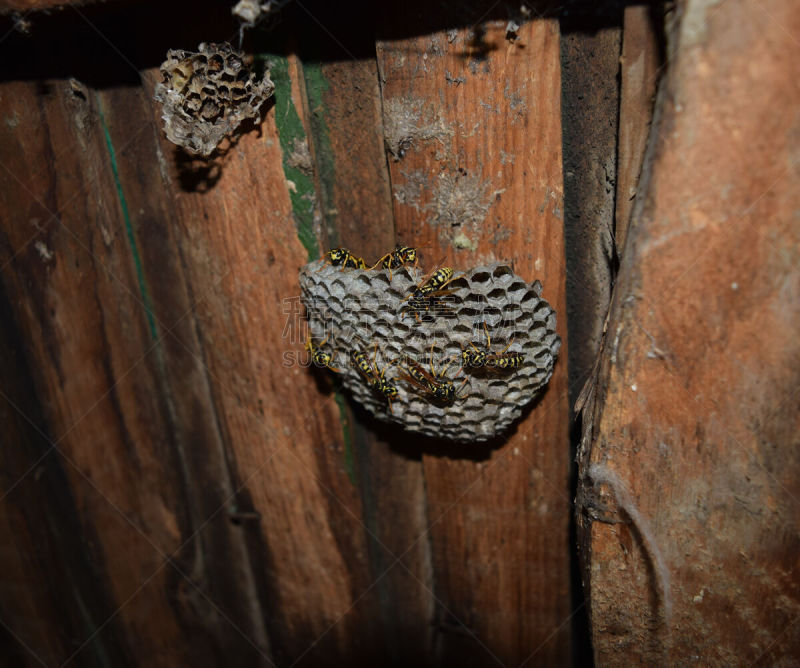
431,272
433,366
507,347
446,366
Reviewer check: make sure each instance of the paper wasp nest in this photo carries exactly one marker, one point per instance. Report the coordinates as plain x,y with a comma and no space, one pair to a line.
356,309
206,95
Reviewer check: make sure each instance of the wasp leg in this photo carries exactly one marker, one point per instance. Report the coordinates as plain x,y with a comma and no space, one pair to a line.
507,347
459,389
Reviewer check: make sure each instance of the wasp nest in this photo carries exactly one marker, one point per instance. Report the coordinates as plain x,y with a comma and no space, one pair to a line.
206,95
355,310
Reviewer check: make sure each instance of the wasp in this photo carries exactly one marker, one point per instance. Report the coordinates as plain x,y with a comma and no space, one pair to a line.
399,257
435,384
430,288
318,356
479,359
341,257
374,379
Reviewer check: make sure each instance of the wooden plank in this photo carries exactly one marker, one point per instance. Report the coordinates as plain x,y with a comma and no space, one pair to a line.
214,550
287,453
40,523
640,67
355,197
690,471
78,299
349,158
590,52
472,120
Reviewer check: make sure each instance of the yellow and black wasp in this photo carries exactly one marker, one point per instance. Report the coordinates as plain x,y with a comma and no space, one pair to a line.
483,359
318,356
426,296
375,380
434,384
399,257
342,257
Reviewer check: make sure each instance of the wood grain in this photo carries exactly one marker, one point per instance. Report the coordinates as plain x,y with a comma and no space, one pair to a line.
472,117
69,255
691,467
590,57
39,517
353,182
640,67
292,467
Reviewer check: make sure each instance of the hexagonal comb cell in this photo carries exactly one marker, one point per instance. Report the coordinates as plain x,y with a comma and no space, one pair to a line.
206,95
379,328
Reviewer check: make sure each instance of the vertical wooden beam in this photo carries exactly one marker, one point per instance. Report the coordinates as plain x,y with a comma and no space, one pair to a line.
287,453
472,121
590,52
690,485
87,320
345,126
218,552
46,561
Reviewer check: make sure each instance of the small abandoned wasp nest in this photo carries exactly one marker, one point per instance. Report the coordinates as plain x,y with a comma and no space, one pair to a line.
206,95
367,311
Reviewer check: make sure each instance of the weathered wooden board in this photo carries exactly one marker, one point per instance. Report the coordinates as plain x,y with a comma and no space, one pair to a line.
345,124
472,123
292,466
67,261
43,565
590,58
691,467
640,68
186,437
